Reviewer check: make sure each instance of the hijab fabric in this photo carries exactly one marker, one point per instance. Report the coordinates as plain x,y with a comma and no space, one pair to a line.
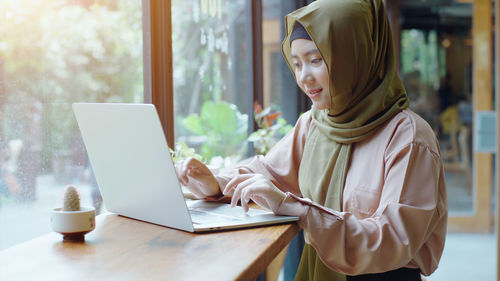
355,41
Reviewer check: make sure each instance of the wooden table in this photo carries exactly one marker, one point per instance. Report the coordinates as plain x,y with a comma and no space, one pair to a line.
126,249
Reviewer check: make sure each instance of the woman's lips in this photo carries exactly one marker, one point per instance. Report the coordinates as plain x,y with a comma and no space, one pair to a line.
314,93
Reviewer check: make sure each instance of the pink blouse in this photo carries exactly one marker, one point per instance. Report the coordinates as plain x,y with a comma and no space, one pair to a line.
394,201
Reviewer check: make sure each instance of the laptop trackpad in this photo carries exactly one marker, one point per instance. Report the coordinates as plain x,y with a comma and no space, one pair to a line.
203,212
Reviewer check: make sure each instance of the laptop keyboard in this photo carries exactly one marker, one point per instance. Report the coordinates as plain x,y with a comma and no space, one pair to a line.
199,216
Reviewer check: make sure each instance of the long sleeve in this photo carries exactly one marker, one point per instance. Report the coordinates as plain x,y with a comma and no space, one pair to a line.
407,224
281,164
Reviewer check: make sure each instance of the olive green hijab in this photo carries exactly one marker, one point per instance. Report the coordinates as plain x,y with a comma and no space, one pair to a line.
354,39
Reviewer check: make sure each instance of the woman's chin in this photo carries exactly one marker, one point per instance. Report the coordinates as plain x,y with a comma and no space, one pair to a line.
321,106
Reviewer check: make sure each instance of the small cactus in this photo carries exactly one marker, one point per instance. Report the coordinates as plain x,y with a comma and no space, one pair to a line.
71,199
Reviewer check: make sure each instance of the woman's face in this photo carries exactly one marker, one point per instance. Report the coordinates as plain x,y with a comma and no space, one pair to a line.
311,72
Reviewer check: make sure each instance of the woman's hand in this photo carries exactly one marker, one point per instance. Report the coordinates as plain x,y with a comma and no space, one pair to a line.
257,188
197,178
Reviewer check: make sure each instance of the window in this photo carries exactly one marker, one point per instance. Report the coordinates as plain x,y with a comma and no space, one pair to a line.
212,63
226,56
56,52
280,89
53,53
437,72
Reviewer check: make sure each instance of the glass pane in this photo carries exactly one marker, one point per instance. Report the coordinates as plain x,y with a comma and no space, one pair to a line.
272,25
280,90
53,53
212,72
437,71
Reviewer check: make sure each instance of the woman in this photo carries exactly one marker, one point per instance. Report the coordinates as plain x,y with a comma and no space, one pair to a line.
362,171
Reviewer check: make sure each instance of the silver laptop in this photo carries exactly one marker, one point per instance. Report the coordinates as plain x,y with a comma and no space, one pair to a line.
136,176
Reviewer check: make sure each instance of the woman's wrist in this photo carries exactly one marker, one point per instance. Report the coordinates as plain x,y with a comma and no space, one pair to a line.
216,196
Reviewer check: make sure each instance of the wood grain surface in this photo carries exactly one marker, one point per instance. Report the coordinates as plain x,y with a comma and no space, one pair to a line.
126,249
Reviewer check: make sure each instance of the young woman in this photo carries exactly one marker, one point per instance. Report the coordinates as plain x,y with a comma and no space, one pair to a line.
362,171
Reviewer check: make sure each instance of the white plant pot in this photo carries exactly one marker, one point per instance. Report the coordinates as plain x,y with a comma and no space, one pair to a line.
73,225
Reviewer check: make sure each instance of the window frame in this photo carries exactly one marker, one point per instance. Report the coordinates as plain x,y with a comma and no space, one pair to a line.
158,64
157,56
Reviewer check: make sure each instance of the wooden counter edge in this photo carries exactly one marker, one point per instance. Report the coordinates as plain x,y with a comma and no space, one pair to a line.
260,264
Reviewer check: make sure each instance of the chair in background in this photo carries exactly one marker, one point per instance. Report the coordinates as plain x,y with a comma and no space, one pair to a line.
456,158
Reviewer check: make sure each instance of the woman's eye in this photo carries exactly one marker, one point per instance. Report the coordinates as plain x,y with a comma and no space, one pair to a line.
296,65
316,61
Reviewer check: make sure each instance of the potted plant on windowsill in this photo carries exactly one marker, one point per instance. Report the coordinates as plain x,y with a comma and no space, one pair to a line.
271,128
72,220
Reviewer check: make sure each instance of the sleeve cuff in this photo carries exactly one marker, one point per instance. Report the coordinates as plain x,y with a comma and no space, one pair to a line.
293,205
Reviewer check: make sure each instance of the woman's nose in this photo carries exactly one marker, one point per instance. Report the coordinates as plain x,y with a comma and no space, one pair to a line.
306,75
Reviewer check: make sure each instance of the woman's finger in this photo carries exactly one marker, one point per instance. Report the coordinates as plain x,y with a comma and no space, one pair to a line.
180,168
241,189
237,191
185,169
244,201
234,182
246,196
236,196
